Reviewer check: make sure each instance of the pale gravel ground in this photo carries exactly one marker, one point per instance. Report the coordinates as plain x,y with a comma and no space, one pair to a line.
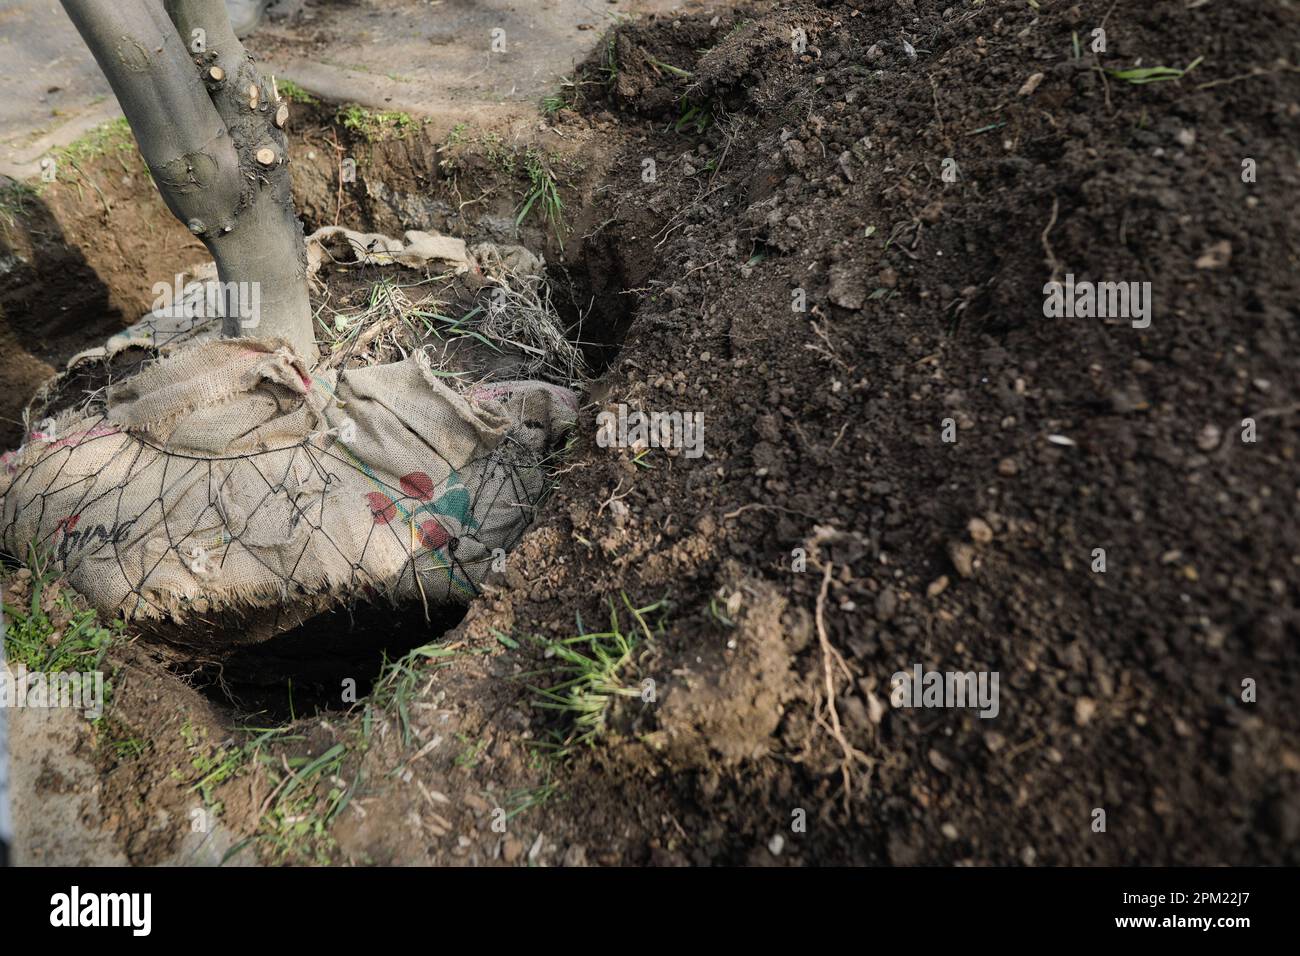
427,57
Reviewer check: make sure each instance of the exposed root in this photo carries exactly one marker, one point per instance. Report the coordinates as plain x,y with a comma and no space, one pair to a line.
827,716
1047,245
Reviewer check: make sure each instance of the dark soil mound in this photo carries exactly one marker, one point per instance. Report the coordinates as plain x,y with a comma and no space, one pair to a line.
781,177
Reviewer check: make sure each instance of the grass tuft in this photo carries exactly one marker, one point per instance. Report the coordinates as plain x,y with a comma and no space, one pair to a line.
290,90
14,199
374,126
543,194
693,118
399,685
551,105
1154,74
592,666
54,632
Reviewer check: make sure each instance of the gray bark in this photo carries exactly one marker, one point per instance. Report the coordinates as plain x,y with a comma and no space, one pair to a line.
205,136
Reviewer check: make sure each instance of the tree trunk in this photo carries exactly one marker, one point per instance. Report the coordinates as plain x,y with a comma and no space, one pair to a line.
210,128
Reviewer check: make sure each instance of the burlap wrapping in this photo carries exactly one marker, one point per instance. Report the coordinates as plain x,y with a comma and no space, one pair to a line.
229,475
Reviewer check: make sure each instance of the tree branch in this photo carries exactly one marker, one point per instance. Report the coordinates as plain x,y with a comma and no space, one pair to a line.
180,133
211,130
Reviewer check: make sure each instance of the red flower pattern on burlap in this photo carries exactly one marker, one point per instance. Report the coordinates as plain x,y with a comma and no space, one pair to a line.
417,485
382,507
433,535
